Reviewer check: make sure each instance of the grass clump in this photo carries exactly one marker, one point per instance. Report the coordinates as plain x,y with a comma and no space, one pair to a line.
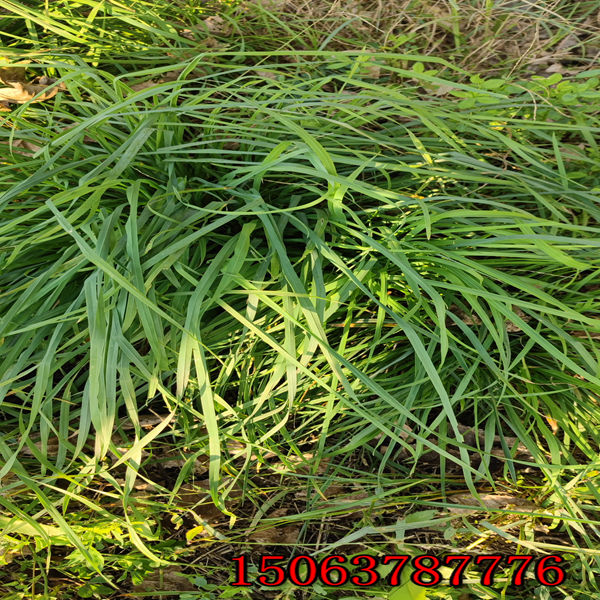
310,300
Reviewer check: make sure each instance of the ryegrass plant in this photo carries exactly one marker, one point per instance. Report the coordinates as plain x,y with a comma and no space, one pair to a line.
342,259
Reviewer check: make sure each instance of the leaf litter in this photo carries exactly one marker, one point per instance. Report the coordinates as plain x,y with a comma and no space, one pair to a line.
21,91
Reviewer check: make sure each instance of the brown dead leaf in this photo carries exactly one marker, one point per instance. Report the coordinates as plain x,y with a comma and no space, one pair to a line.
372,70
266,74
553,424
212,42
491,502
441,14
197,497
22,146
476,438
568,43
513,327
473,319
13,73
50,450
444,89
300,464
8,551
214,26
146,421
169,579
555,68
217,25
282,534
166,77
199,468
585,334
27,146
20,93
339,499
270,4
468,319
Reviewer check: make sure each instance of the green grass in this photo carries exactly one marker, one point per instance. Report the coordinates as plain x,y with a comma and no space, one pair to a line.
287,284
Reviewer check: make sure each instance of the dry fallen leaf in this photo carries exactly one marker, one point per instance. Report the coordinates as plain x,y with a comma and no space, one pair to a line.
477,438
513,327
20,92
473,319
555,68
24,147
300,465
283,534
29,147
271,4
13,73
199,468
266,74
443,89
50,450
567,43
9,550
212,42
553,424
197,497
372,70
168,76
217,25
339,499
191,496
164,580
491,502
